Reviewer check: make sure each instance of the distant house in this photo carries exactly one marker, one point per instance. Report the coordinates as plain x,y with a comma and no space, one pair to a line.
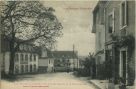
65,60
46,61
26,58
81,60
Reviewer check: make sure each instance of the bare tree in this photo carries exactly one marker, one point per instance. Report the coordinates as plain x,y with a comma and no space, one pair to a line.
29,21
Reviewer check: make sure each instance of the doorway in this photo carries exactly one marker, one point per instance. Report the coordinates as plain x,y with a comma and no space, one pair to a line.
123,64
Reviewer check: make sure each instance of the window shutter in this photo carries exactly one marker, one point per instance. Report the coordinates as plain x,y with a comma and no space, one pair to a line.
120,15
113,23
126,13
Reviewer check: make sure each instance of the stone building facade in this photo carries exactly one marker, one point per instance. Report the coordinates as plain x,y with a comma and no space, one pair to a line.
26,58
118,19
46,61
119,26
99,30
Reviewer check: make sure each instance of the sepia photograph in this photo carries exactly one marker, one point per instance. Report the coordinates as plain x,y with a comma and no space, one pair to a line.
67,44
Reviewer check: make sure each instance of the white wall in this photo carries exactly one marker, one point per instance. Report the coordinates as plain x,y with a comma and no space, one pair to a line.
7,62
44,52
43,62
50,64
74,63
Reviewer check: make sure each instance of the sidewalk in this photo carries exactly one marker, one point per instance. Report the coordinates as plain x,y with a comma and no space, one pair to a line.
103,84
100,84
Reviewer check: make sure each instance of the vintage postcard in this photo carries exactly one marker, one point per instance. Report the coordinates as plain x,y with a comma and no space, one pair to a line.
67,44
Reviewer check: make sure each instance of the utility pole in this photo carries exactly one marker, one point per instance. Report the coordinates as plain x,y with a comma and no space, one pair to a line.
73,56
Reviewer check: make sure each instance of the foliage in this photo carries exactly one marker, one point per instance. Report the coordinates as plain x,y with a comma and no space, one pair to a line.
101,71
29,21
124,41
89,67
129,42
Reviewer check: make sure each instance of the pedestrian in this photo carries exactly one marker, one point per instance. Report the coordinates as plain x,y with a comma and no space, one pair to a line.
111,84
122,84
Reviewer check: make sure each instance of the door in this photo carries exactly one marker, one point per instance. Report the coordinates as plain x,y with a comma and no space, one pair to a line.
123,65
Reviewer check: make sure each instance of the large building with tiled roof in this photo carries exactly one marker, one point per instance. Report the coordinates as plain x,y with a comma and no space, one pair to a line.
65,60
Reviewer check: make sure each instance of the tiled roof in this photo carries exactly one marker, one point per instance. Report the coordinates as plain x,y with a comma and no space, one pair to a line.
63,54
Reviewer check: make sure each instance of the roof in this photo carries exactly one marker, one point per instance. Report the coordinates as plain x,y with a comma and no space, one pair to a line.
5,45
64,54
99,3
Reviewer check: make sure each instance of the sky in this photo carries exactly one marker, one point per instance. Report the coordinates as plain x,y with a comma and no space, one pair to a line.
76,19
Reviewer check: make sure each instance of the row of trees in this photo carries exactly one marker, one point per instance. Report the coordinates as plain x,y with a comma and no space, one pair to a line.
28,21
89,66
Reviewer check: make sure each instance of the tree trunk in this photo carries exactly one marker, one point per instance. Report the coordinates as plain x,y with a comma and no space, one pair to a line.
12,56
12,49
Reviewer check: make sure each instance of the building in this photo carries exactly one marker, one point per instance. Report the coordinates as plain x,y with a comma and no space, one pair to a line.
120,33
99,30
118,24
46,61
26,58
65,60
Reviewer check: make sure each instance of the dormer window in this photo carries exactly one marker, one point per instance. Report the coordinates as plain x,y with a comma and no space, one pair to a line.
21,47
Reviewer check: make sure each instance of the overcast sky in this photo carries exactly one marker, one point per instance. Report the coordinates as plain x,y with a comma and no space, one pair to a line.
76,19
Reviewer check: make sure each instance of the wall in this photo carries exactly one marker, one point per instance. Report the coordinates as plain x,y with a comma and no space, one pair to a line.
6,62
99,28
6,59
42,62
47,63
50,65
130,27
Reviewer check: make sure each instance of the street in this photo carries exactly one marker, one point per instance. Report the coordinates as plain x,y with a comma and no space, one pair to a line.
48,81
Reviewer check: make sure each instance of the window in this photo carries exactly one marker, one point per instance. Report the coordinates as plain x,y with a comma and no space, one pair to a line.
99,39
111,22
49,61
123,14
34,67
16,58
26,57
22,68
34,57
30,57
16,69
110,28
97,17
94,19
21,47
22,57
26,68
110,54
30,68
29,48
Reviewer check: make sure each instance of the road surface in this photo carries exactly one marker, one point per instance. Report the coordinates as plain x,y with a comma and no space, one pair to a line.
47,81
